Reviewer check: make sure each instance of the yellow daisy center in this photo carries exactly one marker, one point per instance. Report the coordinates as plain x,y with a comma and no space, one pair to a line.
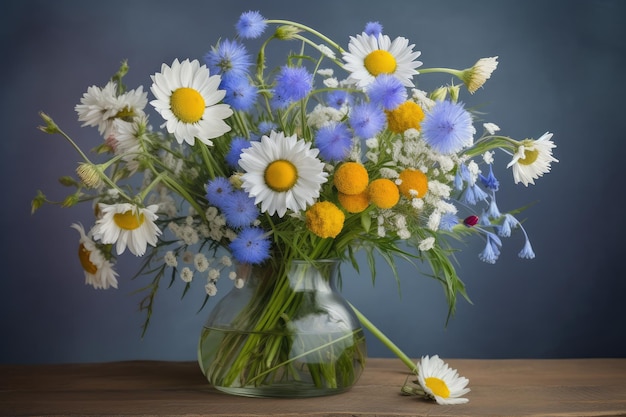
437,386
281,175
530,156
126,114
407,115
128,220
187,105
380,62
83,256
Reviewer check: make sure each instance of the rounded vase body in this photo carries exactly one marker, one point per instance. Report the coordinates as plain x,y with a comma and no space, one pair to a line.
286,333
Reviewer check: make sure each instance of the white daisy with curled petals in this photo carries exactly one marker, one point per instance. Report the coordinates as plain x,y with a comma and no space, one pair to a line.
100,107
370,56
125,225
282,173
532,159
188,98
440,382
98,270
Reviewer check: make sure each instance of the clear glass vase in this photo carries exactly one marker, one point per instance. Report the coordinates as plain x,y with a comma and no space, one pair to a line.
286,333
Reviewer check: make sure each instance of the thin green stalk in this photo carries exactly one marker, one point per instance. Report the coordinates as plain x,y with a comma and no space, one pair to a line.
386,341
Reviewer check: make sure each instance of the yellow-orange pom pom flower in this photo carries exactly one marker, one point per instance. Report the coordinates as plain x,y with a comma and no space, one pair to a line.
351,178
324,219
414,183
383,193
407,115
354,203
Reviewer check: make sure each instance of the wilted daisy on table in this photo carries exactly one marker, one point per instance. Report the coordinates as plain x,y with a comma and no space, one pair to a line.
333,151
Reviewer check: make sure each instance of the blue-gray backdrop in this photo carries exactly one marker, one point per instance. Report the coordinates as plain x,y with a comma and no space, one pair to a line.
561,69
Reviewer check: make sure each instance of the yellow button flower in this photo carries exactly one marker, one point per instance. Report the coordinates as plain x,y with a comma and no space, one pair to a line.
351,178
414,183
407,115
324,219
354,203
383,193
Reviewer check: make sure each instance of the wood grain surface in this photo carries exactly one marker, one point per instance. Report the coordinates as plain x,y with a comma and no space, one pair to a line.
562,387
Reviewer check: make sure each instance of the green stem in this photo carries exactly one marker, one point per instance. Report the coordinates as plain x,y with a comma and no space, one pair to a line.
386,341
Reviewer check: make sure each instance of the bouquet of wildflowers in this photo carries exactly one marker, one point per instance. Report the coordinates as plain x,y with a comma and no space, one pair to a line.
333,151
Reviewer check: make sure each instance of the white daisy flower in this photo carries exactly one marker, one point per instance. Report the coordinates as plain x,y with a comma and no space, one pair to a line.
187,97
440,382
99,271
101,106
128,137
126,224
282,173
370,56
532,159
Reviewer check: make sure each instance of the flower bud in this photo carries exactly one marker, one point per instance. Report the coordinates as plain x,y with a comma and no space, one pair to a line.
470,221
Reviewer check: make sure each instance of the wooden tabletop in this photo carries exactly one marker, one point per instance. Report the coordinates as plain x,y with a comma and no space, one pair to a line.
563,387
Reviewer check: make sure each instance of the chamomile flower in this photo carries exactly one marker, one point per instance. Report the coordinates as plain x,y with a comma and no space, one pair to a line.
99,107
440,382
532,159
125,225
282,173
188,98
370,56
98,270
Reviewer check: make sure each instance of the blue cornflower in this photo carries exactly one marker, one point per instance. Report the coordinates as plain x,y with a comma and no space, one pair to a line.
473,194
266,127
373,28
216,189
527,250
448,221
240,93
490,181
492,249
251,246
228,57
250,25
387,91
367,120
508,224
338,98
292,84
239,209
493,211
234,153
334,141
447,127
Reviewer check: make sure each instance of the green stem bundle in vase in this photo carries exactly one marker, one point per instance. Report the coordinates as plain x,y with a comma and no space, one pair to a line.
287,332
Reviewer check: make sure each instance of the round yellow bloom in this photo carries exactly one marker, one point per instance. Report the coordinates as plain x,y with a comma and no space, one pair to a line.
407,115
383,193
414,183
324,219
354,203
351,178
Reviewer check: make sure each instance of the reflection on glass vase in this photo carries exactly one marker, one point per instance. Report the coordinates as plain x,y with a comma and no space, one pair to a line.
286,333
